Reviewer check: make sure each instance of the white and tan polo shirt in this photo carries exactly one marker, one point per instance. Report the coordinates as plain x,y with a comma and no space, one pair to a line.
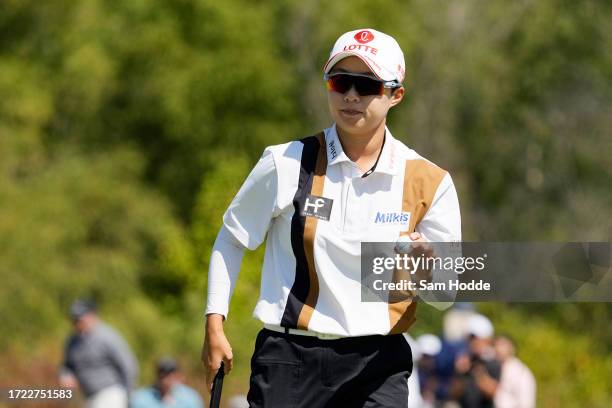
315,207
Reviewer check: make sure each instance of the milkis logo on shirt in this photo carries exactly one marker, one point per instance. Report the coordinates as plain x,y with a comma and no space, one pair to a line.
392,218
318,207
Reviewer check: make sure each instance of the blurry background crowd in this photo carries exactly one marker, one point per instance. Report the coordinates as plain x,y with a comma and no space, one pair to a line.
127,126
468,365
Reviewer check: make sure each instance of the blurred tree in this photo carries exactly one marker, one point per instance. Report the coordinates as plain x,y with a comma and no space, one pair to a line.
126,128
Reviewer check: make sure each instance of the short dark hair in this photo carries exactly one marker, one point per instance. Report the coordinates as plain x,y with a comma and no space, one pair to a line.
166,365
81,307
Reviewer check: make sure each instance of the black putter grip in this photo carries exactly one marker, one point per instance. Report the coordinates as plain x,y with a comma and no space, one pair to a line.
215,395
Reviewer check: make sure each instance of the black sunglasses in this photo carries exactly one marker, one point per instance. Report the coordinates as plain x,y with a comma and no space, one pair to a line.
364,85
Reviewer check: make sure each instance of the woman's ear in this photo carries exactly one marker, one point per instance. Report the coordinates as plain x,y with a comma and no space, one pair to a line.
397,95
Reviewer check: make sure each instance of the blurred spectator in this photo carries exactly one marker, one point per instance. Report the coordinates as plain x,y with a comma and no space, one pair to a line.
445,366
97,360
168,390
517,386
454,343
477,371
456,322
429,346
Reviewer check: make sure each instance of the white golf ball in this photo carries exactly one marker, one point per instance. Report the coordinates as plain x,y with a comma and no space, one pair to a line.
403,245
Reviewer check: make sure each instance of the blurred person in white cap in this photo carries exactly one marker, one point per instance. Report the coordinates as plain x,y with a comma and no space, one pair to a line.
454,342
517,385
429,346
456,322
317,199
477,372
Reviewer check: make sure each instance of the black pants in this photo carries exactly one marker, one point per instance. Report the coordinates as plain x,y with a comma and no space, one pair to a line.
299,371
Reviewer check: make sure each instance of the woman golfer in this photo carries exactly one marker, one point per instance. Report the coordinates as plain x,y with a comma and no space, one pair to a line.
317,199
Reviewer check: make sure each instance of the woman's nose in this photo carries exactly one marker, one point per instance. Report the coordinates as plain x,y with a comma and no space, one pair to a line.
351,95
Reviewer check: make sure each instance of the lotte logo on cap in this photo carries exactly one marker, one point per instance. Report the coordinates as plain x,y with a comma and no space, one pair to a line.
364,36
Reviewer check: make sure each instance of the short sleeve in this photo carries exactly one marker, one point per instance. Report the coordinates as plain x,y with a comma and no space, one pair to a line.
250,212
442,222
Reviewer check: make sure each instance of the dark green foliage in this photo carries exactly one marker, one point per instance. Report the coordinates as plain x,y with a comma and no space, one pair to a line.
126,127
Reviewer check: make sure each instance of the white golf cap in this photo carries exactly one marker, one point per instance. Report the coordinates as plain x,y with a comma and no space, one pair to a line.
480,326
377,50
429,344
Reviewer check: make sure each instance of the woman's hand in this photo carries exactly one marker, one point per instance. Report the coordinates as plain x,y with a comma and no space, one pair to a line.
216,348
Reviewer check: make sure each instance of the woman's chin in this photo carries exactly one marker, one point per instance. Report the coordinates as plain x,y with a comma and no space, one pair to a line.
352,125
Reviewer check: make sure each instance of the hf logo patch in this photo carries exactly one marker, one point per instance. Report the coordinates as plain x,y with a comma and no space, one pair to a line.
318,207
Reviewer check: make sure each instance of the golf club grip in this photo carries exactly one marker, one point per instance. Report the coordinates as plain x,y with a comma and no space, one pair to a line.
215,395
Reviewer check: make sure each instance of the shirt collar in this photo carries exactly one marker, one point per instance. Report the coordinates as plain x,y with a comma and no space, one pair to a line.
335,153
387,163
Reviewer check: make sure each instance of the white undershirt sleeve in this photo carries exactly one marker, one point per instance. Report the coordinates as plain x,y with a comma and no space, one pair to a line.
442,223
245,225
223,272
